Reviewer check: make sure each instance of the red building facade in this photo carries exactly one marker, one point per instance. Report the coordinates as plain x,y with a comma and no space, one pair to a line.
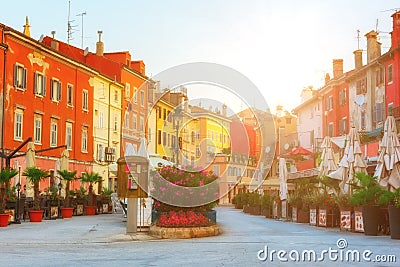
47,98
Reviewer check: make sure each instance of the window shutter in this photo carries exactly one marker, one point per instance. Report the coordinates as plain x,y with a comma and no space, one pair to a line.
35,83
44,85
59,91
52,89
15,75
24,79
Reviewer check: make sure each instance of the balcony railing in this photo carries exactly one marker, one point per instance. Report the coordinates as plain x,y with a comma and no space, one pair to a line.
303,174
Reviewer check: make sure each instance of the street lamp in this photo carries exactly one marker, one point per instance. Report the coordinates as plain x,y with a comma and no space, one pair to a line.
177,117
17,219
59,196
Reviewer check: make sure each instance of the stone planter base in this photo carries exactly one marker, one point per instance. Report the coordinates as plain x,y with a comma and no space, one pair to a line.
181,233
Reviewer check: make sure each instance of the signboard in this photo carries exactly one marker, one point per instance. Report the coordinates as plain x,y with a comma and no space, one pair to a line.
322,217
313,216
358,222
345,220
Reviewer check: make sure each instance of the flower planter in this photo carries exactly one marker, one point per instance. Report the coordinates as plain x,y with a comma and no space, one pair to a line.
36,215
346,219
300,216
328,217
255,210
267,212
394,219
90,210
314,216
66,213
4,220
370,215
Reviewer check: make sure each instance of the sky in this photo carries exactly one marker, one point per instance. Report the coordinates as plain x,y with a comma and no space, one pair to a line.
281,46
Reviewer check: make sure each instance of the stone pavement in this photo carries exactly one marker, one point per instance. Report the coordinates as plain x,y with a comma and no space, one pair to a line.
101,241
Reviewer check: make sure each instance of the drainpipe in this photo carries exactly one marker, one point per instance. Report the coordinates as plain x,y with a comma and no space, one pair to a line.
4,47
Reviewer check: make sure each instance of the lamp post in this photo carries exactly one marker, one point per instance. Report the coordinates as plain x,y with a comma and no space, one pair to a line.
17,219
177,117
59,195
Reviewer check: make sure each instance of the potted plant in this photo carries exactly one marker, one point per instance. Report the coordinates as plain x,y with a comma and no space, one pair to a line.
266,205
393,200
105,203
91,178
67,176
255,203
368,194
35,175
5,175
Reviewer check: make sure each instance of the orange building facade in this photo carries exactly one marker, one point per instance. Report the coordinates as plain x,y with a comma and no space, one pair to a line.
47,97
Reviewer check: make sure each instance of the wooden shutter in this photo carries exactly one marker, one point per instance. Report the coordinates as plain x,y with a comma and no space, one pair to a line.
15,75
59,91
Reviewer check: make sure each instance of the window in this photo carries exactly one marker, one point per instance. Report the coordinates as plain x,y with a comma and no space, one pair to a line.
55,90
158,109
288,120
134,122
126,121
40,84
328,103
100,152
38,130
193,137
390,108
18,120
116,96
361,86
19,77
102,90
115,122
159,137
390,73
127,91
198,151
164,139
141,125
343,126
216,170
84,139
70,91
342,97
85,100
68,135
197,135
379,112
169,140
363,120
53,134
164,114
135,95
330,129
101,118
379,76
142,98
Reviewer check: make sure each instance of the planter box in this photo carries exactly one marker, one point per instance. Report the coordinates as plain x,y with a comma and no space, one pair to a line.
394,218
328,217
358,220
346,219
267,213
255,210
371,219
313,216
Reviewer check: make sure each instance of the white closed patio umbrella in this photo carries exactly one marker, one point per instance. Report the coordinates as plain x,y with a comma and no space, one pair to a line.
388,167
351,162
328,163
64,162
30,162
283,190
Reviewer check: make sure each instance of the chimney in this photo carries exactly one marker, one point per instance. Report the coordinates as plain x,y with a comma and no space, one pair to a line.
27,30
358,59
327,78
224,108
337,67
396,30
100,45
54,44
373,46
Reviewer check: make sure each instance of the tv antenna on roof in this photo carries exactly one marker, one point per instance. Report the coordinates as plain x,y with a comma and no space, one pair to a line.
82,14
69,26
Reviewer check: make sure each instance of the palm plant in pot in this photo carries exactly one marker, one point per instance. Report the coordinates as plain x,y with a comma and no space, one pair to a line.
91,178
35,175
393,200
368,194
5,175
67,176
